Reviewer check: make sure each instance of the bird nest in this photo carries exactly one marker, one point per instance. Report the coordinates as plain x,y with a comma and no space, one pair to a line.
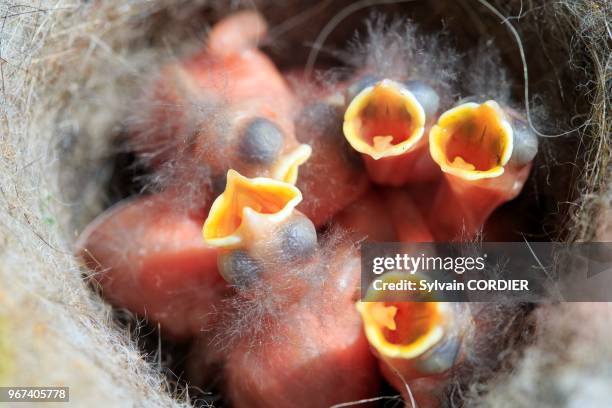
71,76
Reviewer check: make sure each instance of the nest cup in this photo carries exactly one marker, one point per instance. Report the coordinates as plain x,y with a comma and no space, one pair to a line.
69,75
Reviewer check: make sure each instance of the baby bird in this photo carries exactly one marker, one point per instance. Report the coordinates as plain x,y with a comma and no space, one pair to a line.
253,265
149,258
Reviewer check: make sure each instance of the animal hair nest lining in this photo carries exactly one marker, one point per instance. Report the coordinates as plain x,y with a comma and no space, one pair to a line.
69,70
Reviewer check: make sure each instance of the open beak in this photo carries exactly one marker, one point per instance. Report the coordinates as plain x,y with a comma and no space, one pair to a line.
257,229
247,207
472,141
486,160
412,339
403,330
384,120
286,169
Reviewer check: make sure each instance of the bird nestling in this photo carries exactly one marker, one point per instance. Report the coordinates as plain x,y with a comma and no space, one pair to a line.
264,272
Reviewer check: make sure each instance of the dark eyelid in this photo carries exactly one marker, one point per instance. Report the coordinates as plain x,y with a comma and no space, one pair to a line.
260,142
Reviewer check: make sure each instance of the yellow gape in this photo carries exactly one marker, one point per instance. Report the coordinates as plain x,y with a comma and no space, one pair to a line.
472,141
402,330
412,339
286,169
246,202
384,120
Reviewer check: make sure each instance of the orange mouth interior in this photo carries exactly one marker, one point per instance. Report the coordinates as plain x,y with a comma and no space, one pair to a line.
472,139
406,322
385,115
383,120
263,196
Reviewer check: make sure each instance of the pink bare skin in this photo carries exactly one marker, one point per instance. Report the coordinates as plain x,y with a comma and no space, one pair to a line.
150,259
409,223
198,107
460,208
323,361
386,215
334,176
415,166
314,354
359,218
